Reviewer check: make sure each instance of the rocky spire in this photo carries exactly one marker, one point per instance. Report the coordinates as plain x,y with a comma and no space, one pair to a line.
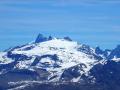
40,38
98,50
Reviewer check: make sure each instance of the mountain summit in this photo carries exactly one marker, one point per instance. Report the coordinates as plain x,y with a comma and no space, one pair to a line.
41,38
54,60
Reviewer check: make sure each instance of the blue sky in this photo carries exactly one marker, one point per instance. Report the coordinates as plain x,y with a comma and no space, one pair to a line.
93,22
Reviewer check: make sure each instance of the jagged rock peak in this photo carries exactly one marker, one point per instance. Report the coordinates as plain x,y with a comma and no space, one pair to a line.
98,50
115,52
40,38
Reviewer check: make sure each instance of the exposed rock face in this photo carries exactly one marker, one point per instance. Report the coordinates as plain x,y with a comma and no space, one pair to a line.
40,38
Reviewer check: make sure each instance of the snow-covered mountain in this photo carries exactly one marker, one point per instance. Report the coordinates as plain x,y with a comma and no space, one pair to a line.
55,60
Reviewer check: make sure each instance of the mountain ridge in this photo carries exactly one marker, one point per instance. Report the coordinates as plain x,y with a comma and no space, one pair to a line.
50,59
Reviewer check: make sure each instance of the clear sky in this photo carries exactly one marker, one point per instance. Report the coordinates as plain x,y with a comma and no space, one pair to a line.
94,22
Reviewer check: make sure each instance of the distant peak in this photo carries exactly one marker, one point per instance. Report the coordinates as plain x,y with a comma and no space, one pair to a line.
98,50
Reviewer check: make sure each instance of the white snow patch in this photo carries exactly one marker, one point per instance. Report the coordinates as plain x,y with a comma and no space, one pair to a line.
116,59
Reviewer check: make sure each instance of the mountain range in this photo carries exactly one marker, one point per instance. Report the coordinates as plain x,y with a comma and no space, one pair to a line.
50,63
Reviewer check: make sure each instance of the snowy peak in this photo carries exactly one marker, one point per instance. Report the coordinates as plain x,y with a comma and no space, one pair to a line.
51,59
58,57
53,55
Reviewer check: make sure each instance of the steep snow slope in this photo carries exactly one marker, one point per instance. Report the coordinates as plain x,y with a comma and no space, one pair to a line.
66,52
